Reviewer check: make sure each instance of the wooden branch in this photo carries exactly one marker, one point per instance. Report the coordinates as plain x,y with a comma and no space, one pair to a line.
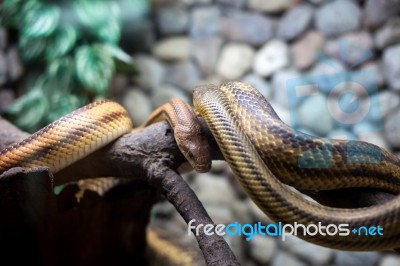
177,191
130,155
150,155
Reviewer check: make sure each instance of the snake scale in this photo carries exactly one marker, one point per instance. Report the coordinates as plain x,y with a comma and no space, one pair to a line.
263,152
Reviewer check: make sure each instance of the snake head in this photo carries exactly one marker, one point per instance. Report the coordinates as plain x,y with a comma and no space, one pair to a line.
196,149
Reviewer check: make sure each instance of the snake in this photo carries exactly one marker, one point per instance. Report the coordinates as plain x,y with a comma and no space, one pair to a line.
89,128
266,156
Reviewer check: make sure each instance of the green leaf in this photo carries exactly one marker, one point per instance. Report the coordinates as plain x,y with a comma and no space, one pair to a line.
61,42
28,111
10,12
62,70
94,68
61,104
93,13
109,32
31,48
40,20
124,62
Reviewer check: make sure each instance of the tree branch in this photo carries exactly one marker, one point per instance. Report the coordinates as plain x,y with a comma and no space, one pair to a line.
151,154
148,154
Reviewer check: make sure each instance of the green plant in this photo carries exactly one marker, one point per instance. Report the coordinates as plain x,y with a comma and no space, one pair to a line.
71,53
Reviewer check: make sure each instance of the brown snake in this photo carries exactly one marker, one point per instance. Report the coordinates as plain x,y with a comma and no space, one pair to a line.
259,148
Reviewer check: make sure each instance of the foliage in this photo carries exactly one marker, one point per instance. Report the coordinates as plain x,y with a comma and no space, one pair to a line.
74,46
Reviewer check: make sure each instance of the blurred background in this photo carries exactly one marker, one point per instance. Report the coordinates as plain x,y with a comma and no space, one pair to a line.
330,68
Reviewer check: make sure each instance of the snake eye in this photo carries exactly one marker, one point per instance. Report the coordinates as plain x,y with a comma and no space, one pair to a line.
190,155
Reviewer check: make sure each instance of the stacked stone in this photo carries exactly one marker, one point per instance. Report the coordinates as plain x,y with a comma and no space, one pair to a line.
266,44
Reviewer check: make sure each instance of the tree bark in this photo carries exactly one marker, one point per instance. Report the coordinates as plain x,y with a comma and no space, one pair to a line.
148,157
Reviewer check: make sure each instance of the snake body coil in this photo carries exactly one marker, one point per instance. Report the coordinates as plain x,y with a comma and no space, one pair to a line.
70,138
247,130
262,151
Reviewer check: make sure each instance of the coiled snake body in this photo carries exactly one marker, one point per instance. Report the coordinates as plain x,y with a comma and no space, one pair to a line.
262,151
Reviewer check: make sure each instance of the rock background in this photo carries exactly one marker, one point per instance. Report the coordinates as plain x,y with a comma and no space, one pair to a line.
266,44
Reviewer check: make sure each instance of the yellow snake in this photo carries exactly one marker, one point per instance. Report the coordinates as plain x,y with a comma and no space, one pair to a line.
257,145
93,126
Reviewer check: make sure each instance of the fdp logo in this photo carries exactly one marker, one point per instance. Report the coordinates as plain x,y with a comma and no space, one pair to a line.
348,102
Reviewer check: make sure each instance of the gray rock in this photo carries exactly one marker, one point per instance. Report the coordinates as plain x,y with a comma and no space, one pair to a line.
176,228
205,21
232,3
3,68
138,105
3,38
272,6
206,51
163,208
235,60
364,127
259,83
374,138
212,79
370,76
166,92
279,85
318,2
235,244
218,167
283,258
262,248
183,74
195,2
390,260
151,71
353,48
351,108
119,84
214,190
172,20
14,64
304,50
273,56
219,214
383,104
241,212
326,17
391,66
282,112
325,71
388,34
6,98
314,254
341,134
356,258
172,49
246,27
348,107
295,21
392,129
376,12
314,115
